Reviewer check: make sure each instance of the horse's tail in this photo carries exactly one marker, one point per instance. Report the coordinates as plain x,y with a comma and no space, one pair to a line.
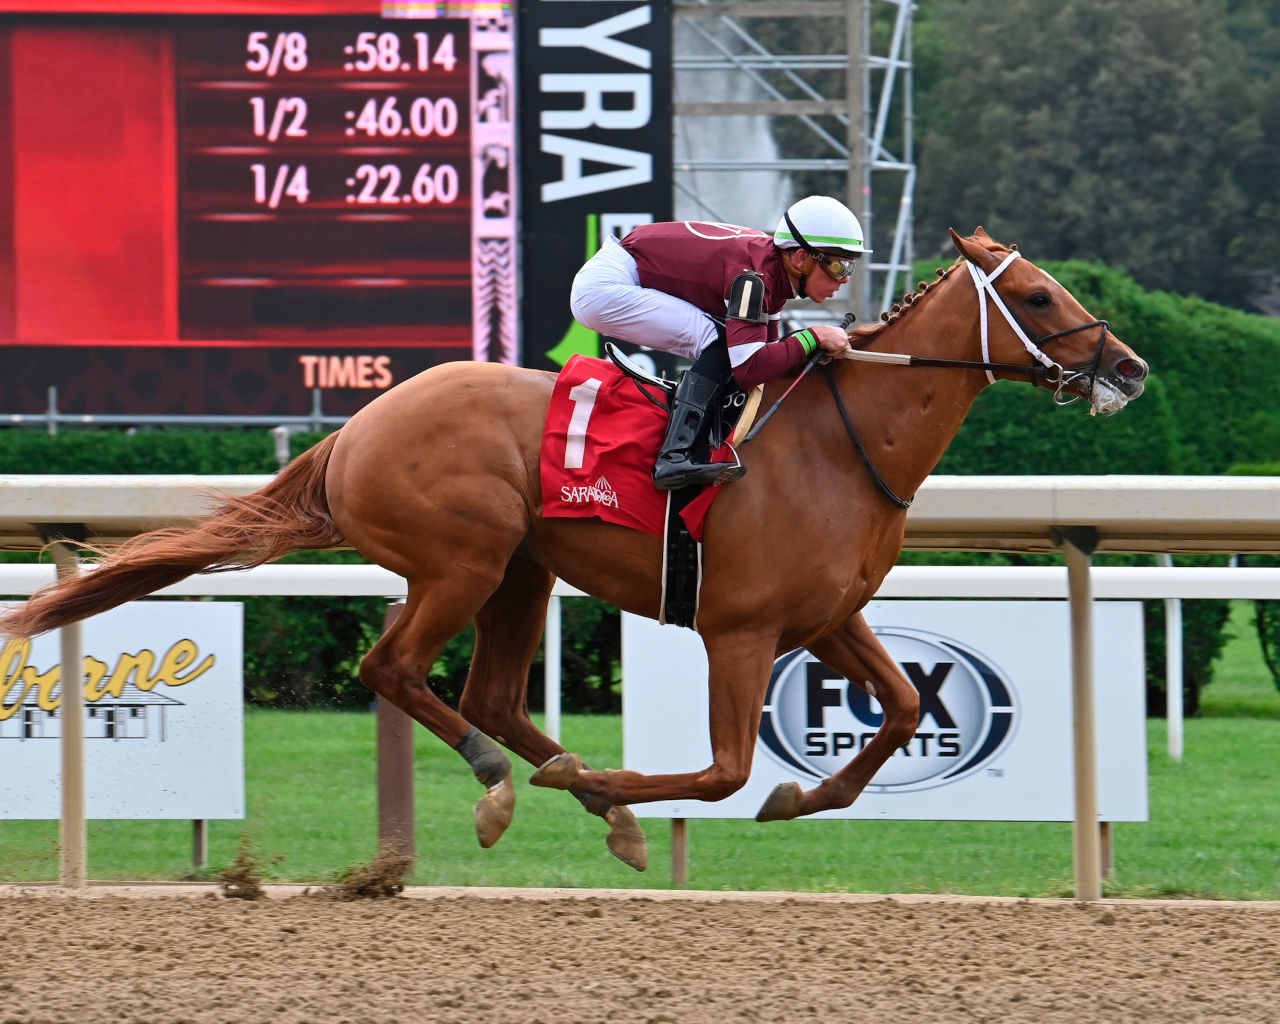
290,514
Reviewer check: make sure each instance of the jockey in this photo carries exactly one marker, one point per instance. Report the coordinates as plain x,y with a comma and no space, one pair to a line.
713,293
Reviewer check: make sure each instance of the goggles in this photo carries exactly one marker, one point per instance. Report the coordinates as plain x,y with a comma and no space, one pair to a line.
840,268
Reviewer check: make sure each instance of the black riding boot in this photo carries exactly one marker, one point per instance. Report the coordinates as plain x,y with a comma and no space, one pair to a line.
676,467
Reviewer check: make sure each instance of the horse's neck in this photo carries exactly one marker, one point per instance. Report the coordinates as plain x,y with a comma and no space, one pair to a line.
907,416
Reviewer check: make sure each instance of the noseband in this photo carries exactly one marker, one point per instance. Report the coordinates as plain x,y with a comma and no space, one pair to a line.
1052,372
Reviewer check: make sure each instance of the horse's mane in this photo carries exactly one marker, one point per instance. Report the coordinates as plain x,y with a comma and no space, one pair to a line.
867,331
899,309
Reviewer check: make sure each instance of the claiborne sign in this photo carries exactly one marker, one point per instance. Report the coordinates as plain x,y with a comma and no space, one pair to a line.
163,715
993,741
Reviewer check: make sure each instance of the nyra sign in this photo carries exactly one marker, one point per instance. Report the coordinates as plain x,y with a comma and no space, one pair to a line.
163,715
994,736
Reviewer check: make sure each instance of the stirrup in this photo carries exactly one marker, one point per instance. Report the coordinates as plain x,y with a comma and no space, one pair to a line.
687,473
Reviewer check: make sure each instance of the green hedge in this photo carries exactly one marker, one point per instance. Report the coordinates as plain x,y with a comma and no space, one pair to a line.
1210,400
1266,613
24,450
1203,635
1255,469
1209,405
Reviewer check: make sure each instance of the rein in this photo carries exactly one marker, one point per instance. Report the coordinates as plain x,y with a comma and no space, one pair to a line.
885,489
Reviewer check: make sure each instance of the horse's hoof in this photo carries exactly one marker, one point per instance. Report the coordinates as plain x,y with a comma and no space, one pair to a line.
626,838
494,811
558,773
783,803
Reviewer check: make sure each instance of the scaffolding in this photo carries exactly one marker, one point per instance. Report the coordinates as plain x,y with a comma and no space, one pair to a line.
848,114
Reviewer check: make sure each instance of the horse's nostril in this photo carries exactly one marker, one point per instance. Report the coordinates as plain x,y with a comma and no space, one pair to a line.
1133,369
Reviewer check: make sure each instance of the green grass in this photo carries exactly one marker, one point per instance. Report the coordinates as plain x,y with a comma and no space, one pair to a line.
1214,828
1242,686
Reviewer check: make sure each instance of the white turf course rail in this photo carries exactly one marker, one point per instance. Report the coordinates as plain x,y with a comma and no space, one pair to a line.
1012,513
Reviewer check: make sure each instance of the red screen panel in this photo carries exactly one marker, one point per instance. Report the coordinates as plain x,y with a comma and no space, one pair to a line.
93,183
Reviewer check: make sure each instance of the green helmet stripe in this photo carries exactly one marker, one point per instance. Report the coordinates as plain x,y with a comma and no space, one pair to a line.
818,239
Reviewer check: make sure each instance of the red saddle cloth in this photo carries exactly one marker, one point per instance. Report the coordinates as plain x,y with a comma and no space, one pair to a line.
598,447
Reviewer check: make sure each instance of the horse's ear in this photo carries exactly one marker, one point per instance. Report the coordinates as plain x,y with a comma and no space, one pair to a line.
980,235
972,249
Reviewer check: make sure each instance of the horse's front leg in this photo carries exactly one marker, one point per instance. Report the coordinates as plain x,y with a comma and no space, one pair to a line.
856,652
739,665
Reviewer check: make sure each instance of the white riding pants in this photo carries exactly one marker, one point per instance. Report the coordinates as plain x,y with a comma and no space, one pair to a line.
607,297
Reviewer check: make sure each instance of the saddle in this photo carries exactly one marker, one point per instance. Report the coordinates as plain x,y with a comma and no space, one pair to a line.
738,408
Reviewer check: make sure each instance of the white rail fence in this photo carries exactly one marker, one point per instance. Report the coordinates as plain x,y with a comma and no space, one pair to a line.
1172,584
1110,583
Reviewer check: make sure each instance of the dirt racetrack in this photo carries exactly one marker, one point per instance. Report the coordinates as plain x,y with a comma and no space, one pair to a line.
163,955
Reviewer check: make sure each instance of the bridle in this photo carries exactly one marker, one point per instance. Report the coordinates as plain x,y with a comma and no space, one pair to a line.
1042,368
1051,371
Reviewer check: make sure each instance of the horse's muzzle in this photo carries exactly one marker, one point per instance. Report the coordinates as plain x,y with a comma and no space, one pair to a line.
1108,388
1128,374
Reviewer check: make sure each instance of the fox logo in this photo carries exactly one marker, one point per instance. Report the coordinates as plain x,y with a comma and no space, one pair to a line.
814,719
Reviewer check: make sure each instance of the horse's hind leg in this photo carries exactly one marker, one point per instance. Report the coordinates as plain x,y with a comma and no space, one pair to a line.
397,667
508,630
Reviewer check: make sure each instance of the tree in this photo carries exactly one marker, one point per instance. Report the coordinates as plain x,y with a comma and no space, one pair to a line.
1141,134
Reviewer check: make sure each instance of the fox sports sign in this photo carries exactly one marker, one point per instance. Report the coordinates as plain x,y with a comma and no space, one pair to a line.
815,719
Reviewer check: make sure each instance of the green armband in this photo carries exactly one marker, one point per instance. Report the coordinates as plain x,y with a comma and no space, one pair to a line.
807,341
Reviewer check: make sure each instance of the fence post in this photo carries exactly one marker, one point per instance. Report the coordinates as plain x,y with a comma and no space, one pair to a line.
200,842
317,410
72,833
280,438
679,852
1078,543
1106,841
551,668
395,768
1172,668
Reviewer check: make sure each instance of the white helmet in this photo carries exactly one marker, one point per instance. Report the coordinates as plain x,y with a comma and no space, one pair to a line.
820,222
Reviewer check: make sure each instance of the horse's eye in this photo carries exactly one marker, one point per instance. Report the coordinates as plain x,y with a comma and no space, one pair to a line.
1039,300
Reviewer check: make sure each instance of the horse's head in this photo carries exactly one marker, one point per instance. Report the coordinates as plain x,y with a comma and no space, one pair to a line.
1028,313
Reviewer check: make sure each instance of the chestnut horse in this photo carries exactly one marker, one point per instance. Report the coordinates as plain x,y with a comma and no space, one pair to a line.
438,481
